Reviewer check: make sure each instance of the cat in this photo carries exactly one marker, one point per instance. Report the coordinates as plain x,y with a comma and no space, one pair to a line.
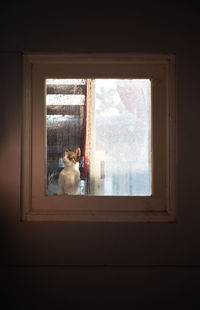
69,177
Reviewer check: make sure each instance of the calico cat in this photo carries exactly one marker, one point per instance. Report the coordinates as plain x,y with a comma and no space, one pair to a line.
69,177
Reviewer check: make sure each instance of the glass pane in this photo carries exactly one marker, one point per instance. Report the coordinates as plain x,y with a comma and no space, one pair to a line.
65,114
122,137
108,122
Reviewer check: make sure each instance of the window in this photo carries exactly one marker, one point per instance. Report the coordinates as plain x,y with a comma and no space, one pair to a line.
119,111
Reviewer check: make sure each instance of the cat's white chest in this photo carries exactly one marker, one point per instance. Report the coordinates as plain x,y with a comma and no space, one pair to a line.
69,180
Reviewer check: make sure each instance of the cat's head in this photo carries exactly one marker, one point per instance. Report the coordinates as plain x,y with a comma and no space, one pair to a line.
72,157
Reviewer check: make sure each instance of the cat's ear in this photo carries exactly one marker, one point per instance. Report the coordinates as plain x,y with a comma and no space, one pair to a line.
78,152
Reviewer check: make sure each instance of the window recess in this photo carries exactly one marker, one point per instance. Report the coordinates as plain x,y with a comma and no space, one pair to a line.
120,110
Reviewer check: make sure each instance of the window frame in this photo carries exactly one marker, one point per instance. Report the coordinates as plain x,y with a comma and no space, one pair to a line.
161,206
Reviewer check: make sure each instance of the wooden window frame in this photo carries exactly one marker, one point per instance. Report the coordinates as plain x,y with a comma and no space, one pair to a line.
161,206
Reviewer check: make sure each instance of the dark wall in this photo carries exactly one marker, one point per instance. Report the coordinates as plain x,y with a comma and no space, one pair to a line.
101,264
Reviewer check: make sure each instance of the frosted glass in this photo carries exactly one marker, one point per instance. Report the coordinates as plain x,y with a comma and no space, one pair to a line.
122,137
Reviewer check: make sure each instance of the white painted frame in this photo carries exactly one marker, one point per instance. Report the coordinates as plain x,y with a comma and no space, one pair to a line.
161,206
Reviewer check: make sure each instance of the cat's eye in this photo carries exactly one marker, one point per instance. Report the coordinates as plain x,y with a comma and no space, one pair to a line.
110,120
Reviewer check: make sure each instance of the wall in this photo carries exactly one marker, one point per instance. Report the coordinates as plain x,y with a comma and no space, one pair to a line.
100,264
